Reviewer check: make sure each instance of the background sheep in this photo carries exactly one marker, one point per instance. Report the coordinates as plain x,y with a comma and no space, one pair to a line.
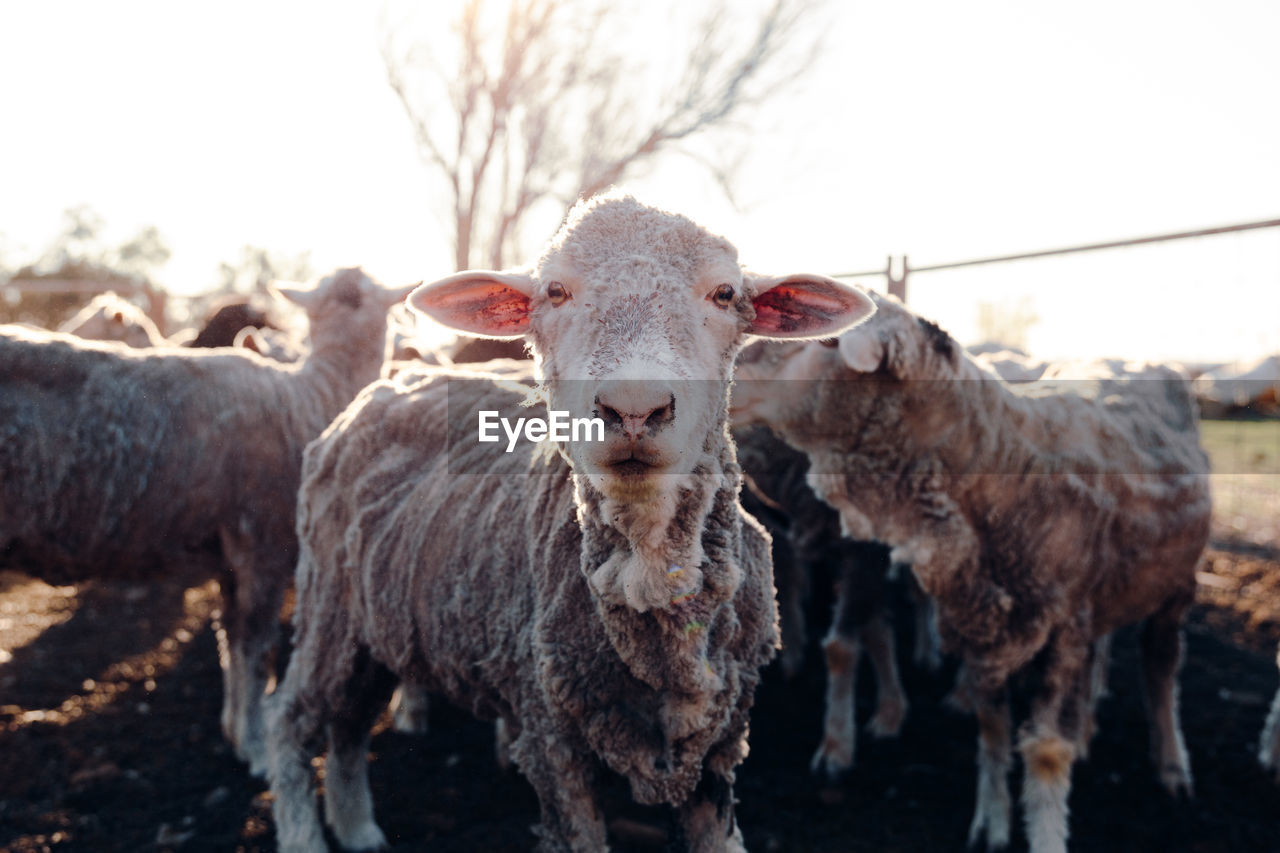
227,318
610,602
1253,387
107,317
128,463
1039,518
813,546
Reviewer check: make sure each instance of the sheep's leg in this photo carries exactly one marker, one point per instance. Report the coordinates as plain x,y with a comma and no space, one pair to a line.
1269,747
793,587
293,733
410,707
244,656
1048,742
927,649
504,734
706,820
1161,659
891,699
960,697
348,803
995,756
571,817
1099,660
839,733
859,600
252,597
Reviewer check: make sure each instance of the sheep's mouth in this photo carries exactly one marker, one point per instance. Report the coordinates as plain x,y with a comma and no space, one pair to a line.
630,467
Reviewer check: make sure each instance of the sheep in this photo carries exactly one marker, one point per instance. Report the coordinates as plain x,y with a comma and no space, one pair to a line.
1238,388
1269,745
1011,365
1039,518
858,614
229,316
107,317
811,532
271,343
607,600
127,463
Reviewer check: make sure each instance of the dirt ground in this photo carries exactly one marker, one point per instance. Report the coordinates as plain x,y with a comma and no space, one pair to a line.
109,741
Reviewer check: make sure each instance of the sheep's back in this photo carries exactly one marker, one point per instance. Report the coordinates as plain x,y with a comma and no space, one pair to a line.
430,533
119,461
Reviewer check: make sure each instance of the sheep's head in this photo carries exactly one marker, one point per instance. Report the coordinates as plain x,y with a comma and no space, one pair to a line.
636,315
345,305
110,318
783,385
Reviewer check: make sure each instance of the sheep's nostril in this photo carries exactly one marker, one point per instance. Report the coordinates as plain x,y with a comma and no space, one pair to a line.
662,414
660,763
610,416
634,409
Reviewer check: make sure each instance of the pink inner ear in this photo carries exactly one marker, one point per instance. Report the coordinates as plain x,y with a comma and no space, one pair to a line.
483,307
789,310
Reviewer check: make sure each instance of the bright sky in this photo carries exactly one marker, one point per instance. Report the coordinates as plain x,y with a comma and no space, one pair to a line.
939,129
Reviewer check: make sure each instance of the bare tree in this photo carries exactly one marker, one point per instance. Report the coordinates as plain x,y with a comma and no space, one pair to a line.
544,104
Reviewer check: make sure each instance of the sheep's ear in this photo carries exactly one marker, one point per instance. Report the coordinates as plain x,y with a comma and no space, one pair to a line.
296,292
395,295
805,306
862,349
479,302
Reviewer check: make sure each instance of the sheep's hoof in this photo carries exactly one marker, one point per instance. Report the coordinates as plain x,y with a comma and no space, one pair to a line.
833,759
989,830
888,719
365,837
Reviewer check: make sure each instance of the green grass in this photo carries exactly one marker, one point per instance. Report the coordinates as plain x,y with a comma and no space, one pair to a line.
1242,447
1244,457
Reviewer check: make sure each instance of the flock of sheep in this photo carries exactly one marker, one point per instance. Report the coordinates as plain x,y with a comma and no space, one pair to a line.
610,604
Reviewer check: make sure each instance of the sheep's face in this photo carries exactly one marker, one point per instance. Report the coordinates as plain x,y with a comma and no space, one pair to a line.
803,388
636,316
345,305
779,384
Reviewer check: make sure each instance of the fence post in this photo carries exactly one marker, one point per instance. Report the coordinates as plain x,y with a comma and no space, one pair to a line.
897,286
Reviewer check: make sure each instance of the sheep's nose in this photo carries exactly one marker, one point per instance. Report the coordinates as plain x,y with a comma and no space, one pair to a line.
634,406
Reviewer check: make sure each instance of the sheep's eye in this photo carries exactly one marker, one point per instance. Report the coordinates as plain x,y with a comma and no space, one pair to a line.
722,295
829,343
556,293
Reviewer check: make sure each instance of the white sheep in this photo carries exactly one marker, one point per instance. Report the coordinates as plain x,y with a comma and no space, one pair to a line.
1240,386
127,463
1039,517
107,317
608,601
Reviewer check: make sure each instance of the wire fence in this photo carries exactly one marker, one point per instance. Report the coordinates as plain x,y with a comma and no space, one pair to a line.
1204,298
